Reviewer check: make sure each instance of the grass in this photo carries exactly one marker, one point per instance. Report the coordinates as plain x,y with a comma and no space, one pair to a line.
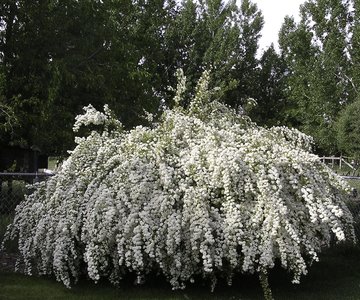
355,183
13,286
52,162
336,276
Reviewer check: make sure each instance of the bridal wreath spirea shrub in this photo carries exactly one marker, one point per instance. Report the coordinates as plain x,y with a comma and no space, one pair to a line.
202,192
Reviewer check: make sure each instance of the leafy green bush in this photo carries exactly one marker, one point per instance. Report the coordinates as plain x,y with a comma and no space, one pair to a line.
202,192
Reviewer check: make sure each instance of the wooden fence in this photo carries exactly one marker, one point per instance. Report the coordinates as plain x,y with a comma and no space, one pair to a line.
343,165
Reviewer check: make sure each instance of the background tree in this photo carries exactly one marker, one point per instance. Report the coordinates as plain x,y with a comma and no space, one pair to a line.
25,46
348,130
354,46
316,52
220,36
8,120
270,95
97,61
60,56
244,70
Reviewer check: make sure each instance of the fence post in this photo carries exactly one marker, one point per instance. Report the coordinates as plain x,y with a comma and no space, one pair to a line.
340,161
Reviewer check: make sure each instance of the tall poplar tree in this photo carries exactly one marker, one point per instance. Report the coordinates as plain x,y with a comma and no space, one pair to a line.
316,51
354,46
220,36
270,94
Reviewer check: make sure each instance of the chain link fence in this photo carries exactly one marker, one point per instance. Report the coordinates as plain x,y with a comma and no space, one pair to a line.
13,188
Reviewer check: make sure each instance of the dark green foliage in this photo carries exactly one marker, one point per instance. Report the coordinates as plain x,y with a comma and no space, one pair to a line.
270,93
58,56
348,130
244,69
319,82
220,36
7,117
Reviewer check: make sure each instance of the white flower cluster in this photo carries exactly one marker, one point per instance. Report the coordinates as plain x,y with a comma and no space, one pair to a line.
196,195
94,117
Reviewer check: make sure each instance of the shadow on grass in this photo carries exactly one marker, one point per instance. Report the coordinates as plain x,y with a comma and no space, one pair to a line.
336,276
5,220
18,286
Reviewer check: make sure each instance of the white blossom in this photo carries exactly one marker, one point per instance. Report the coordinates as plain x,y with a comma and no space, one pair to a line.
205,191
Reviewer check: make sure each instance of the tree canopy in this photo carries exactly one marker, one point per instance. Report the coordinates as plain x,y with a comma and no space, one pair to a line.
57,57
321,59
348,130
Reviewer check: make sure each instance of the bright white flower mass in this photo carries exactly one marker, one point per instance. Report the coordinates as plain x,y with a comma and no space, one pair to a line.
204,192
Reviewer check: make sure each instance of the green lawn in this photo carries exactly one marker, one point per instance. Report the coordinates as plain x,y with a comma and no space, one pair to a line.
52,162
355,183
